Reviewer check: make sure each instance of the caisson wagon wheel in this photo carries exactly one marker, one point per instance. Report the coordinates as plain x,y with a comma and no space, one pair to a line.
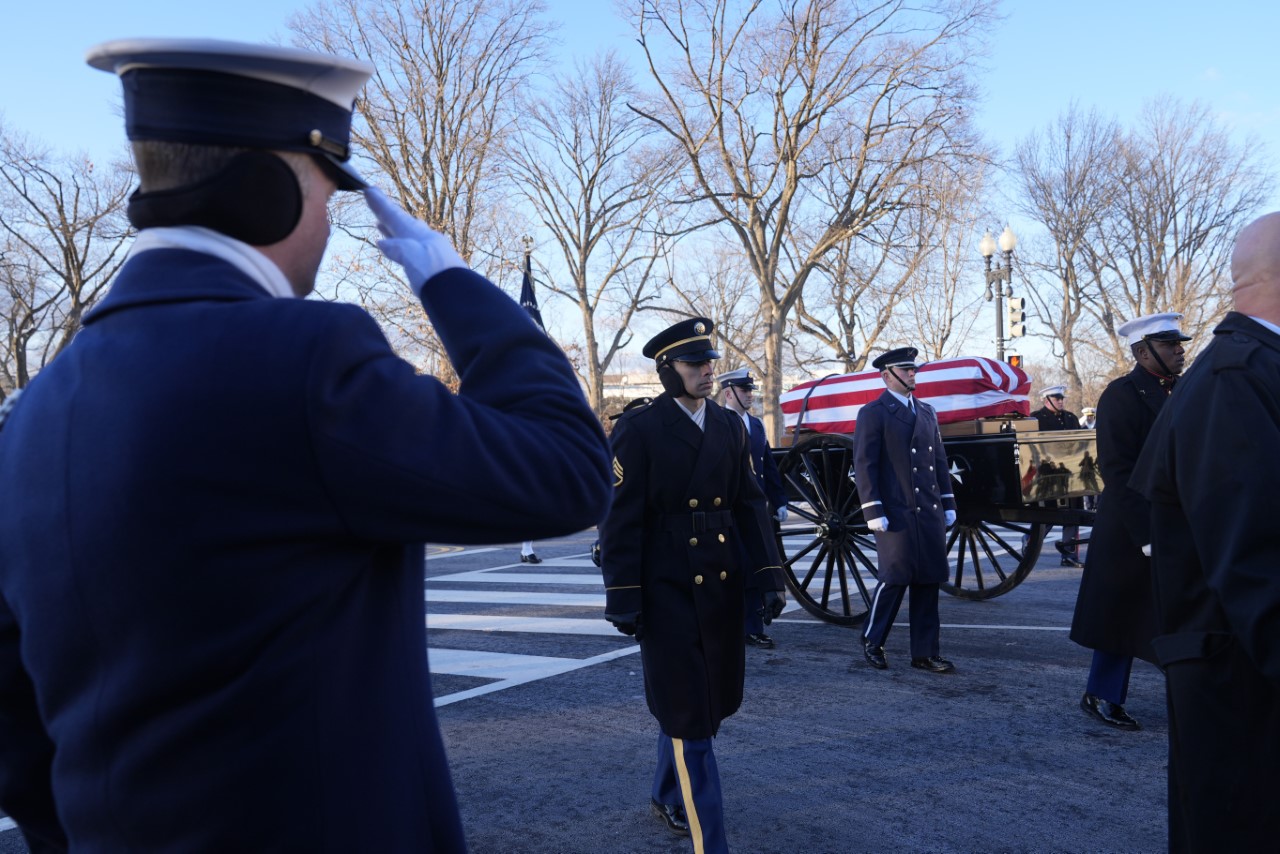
990,557
827,550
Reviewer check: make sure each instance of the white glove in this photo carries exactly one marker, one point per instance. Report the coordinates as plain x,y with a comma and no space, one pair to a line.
880,523
422,252
781,515
1146,550
951,517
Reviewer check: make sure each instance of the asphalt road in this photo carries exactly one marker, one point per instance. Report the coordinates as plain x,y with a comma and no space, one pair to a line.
552,746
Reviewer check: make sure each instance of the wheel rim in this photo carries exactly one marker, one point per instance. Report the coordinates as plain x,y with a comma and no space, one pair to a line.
988,558
828,562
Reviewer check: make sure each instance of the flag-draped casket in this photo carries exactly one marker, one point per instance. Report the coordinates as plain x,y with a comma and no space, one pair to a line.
960,389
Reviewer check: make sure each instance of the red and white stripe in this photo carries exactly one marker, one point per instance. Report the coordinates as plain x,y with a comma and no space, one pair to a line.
959,389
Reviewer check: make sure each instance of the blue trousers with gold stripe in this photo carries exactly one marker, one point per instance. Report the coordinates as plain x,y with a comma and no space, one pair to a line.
687,774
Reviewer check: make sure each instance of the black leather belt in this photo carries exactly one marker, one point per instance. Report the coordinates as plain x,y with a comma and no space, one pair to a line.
697,521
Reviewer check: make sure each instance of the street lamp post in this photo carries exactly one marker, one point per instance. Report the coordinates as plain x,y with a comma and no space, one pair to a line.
999,276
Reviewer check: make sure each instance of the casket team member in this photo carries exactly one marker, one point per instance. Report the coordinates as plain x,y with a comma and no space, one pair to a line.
737,390
1209,468
1054,415
1114,613
903,481
213,502
686,509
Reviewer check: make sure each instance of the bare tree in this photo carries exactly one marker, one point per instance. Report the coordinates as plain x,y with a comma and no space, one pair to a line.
432,120
770,106
1184,191
62,238
1137,221
587,166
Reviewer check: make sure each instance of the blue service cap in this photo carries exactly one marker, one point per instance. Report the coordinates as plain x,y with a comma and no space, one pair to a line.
903,357
212,92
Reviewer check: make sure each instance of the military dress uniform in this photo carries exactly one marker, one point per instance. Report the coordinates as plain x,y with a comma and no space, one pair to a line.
766,472
1115,612
1061,419
1208,467
901,472
685,507
212,511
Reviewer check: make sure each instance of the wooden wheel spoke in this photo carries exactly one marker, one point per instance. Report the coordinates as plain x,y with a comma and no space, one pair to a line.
995,563
822,503
855,557
1017,553
789,562
813,570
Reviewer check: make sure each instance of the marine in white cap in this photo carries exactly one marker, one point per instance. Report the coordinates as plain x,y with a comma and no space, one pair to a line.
213,502
1114,613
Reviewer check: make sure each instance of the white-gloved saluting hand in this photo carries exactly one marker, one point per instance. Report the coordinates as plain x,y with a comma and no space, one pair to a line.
880,523
420,250
951,517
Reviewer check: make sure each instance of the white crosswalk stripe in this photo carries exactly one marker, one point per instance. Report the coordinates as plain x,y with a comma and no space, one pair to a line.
488,590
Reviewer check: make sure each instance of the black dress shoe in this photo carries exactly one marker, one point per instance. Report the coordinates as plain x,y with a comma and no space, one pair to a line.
1070,561
874,655
1111,714
761,640
672,815
934,664
530,558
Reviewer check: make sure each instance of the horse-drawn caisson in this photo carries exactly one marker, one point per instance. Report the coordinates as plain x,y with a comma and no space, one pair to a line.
1012,483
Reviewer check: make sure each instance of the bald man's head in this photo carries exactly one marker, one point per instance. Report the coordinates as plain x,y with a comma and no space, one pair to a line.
1255,268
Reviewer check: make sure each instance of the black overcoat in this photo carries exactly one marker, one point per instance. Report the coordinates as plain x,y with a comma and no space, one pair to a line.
901,472
1114,608
685,507
1209,467
212,510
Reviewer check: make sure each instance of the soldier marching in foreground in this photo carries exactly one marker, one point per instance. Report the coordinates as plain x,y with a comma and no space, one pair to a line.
686,507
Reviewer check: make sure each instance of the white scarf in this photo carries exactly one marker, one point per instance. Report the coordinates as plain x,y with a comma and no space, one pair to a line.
240,255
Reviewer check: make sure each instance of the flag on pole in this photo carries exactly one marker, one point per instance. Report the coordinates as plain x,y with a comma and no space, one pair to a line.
527,297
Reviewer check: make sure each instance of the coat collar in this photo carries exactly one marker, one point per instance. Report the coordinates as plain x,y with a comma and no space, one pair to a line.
172,276
891,402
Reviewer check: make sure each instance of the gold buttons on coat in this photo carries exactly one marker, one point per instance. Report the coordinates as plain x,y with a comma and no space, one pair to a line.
716,502
693,502
723,576
913,450
697,579
693,541
721,536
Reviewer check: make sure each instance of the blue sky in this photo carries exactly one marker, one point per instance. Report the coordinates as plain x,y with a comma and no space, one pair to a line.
1045,53
1112,54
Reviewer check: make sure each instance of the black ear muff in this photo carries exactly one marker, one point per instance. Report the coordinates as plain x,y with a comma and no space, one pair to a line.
254,198
671,380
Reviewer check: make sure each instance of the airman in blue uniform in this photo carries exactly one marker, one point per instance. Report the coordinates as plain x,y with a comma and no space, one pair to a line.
904,484
737,389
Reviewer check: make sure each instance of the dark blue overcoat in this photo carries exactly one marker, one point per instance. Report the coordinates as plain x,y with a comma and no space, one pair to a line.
901,472
685,508
212,506
765,468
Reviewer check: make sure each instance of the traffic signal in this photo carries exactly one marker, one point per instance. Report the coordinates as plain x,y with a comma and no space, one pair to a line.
1017,317
1015,360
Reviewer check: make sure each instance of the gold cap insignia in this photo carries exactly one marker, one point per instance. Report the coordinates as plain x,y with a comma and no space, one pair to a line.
700,328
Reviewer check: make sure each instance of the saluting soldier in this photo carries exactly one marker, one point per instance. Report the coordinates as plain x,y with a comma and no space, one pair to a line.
1115,609
905,486
213,502
738,391
686,507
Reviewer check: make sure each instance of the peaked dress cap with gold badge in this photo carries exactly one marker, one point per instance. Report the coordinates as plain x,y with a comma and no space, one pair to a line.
686,341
